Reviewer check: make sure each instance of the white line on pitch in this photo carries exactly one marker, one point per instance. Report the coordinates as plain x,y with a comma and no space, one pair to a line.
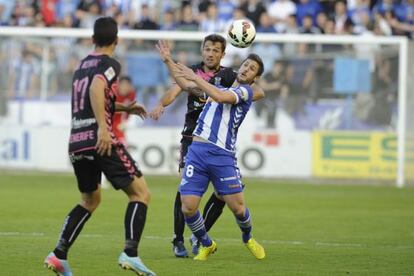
316,243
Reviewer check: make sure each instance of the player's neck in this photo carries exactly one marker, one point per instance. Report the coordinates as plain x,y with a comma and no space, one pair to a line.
109,51
207,70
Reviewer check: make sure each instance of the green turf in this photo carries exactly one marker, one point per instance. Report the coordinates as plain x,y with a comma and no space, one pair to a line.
305,229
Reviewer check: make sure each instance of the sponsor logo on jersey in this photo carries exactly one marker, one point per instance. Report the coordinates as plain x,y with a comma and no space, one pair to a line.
82,123
110,73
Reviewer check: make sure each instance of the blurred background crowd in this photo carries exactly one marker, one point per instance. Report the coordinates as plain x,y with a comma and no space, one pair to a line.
298,78
381,17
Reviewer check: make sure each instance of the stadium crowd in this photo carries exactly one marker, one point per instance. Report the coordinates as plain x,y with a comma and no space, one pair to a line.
381,17
295,76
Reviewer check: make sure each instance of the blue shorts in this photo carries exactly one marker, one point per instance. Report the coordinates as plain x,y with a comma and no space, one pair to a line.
207,162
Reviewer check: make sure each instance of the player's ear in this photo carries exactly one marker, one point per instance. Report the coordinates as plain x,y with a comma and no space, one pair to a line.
93,39
116,41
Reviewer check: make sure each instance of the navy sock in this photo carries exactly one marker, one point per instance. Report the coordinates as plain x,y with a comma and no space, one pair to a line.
179,222
134,222
72,226
212,211
245,225
196,224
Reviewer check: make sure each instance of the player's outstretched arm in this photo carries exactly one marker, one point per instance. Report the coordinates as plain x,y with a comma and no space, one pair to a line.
165,54
132,108
212,91
166,100
97,97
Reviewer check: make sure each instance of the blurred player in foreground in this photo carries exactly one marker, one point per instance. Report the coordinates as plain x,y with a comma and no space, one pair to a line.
212,51
211,156
93,149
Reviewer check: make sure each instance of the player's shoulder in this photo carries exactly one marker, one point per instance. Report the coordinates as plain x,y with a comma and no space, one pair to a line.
244,91
110,67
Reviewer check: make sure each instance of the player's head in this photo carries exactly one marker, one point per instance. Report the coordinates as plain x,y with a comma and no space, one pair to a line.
105,32
212,50
250,69
125,86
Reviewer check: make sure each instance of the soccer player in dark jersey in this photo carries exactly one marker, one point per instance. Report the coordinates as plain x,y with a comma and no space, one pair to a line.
212,51
93,149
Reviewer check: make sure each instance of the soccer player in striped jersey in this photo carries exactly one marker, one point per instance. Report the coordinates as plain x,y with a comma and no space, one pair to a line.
211,156
212,51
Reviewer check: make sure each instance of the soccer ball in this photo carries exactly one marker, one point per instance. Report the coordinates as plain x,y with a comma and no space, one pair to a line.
241,33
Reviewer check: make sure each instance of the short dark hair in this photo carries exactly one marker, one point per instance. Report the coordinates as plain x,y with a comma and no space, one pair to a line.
105,31
125,78
216,38
259,61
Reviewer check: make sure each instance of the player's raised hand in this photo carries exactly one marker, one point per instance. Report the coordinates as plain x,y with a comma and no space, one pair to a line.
156,113
137,109
104,143
185,72
163,50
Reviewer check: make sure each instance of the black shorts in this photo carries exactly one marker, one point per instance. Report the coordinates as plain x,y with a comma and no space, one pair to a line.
185,143
119,168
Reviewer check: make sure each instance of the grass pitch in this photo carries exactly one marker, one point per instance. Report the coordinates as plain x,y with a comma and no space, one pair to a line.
305,229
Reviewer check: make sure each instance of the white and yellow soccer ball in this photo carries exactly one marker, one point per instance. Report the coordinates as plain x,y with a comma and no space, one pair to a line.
241,33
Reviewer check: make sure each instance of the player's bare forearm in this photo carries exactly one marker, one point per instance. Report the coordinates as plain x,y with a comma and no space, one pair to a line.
171,95
215,93
181,81
97,95
120,107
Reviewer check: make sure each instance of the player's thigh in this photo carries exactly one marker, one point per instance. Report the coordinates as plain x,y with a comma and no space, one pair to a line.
119,168
226,179
195,176
87,171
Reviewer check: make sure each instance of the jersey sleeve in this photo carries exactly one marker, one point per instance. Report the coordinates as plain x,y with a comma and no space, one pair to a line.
243,93
108,70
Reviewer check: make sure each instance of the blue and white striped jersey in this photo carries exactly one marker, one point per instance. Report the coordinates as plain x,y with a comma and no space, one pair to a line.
219,122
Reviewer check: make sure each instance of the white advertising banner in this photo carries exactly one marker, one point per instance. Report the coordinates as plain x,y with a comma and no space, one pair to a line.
260,153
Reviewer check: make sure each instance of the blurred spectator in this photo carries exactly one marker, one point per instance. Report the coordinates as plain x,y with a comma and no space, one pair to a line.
146,22
211,23
187,22
383,6
23,76
340,17
6,11
269,52
225,9
405,11
265,25
280,11
168,22
253,9
48,11
307,7
275,87
87,13
359,12
307,26
383,28
299,76
321,21
364,23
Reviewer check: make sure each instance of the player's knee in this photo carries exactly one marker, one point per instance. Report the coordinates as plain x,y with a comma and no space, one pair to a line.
143,195
237,209
91,204
188,210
